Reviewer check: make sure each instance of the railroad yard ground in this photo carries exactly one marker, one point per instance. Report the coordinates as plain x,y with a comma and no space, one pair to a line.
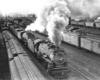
83,65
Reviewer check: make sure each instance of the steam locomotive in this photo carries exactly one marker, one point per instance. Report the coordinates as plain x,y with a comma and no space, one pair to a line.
52,57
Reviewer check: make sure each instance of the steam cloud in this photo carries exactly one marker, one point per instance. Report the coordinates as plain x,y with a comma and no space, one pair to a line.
52,15
57,19
54,18
84,8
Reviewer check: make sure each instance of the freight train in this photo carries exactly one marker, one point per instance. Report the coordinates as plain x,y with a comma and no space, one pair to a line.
79,35
83,38
52,57
92,24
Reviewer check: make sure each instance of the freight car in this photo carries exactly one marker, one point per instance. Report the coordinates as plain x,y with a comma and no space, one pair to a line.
88,41
53,58
82,39
92,24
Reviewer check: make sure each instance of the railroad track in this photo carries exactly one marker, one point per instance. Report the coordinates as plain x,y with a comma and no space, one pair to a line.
21,64
85,64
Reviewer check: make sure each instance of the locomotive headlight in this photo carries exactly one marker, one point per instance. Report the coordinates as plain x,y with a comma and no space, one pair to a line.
59,58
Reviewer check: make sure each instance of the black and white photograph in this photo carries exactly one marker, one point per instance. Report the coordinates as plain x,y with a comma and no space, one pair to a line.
49,39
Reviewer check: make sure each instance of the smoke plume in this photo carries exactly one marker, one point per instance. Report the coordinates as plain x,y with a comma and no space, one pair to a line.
52,15
54,18
84,8
57,15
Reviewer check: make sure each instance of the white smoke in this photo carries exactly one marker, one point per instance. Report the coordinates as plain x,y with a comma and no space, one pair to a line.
84,8
51,14
40,21
37,25
57,15
54,18
92,8
55,28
